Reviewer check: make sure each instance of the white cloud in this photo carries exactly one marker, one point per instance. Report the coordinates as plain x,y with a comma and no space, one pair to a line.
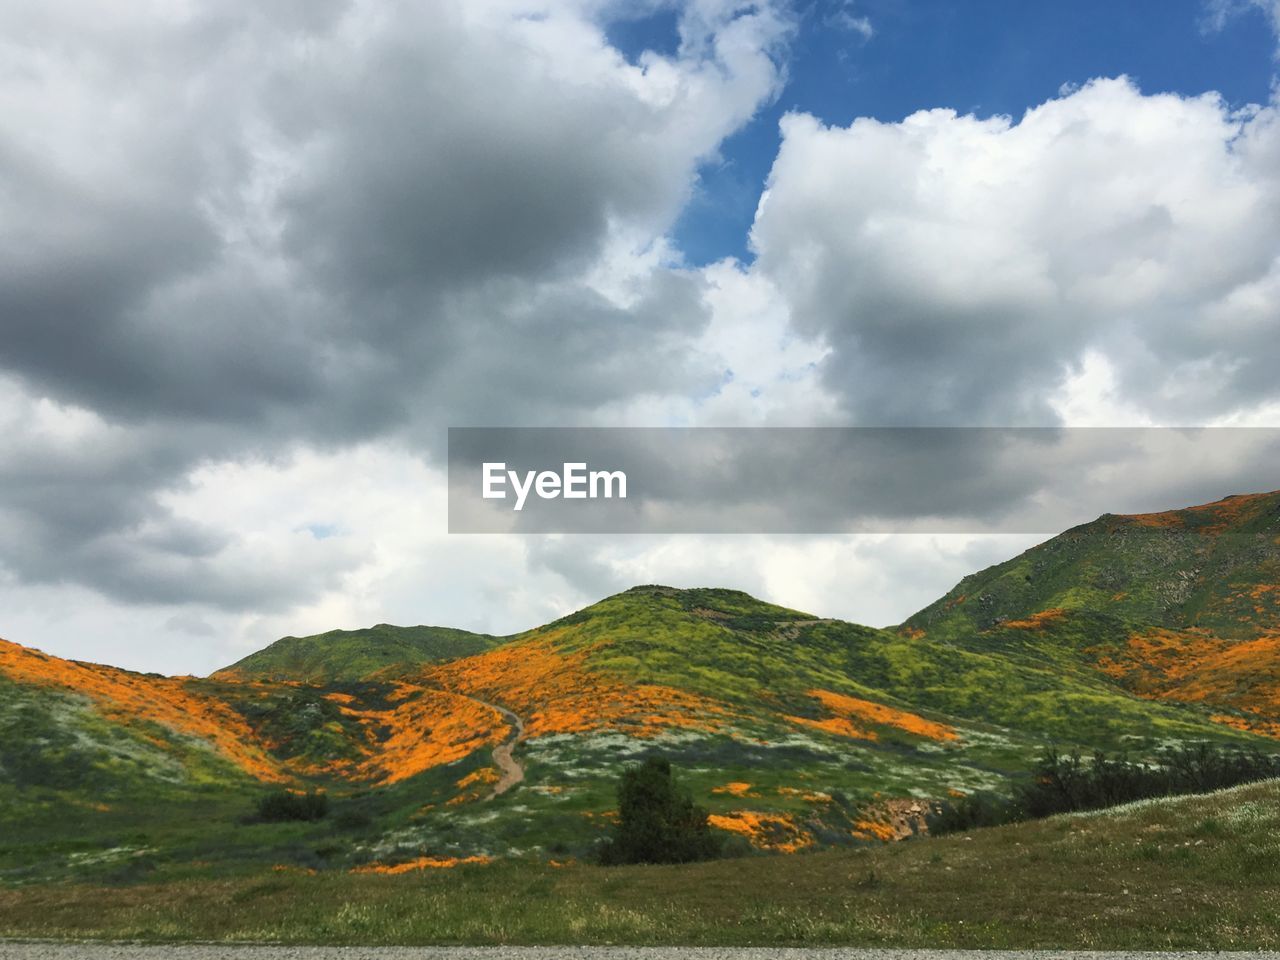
232,233
960,269
847,17
1218,12
255,257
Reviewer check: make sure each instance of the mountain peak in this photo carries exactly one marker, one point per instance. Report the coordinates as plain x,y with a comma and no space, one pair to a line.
1237,511
1215,567
355,654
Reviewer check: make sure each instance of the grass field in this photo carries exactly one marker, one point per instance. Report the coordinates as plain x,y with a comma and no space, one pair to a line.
1195,872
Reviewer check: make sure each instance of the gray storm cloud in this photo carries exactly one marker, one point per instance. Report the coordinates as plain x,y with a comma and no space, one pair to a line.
230,230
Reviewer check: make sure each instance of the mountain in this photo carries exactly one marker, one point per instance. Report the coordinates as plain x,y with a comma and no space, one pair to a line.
439,746
354,654
1213,568
1181,606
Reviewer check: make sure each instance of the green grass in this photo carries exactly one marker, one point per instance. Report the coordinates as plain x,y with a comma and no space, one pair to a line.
1196,571
346,655
728,646
1192,872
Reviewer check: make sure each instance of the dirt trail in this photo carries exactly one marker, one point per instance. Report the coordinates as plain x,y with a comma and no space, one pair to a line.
508,766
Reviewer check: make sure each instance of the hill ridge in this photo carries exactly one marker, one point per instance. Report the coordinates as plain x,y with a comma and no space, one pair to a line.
796,731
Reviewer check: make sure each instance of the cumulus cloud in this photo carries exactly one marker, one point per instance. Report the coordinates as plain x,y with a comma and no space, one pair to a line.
962,269
254,258
229,232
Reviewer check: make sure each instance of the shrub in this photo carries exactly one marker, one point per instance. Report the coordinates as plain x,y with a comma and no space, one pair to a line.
1067,783
284,805
658,821
1063,784
972,811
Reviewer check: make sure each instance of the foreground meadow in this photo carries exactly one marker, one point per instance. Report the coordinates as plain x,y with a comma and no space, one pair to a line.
1195,872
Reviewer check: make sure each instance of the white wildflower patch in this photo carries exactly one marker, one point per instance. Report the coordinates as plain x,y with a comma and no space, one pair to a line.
984,738
1248,814
113,855
1252,815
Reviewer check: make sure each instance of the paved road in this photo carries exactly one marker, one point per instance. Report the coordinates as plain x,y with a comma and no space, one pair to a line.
35,951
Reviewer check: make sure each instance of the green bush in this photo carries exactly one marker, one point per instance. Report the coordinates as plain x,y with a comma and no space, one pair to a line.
970,812
1061,784
1066,783
284,805
658,821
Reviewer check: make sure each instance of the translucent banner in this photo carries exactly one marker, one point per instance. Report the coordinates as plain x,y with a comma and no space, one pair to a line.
841,480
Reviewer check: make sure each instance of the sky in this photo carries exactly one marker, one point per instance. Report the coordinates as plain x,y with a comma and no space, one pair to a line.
255,260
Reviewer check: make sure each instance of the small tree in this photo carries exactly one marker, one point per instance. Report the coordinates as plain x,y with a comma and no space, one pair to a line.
284,805
658,822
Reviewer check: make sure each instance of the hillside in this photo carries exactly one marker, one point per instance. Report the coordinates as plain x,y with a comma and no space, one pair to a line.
65,724
797,732
1181,606
355,654
1212,568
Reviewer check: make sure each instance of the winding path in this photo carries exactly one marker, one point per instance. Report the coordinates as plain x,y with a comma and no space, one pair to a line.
511,771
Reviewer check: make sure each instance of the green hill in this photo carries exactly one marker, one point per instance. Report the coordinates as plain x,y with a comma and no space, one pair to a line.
354,654
1215,567
1181,606
795,731
729,646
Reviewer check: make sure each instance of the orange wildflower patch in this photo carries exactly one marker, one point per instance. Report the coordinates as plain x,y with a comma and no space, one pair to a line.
1191,667
426,728
871,830
1168,518
846,710
1037,621
123,697
767,831
91,805
480,780
1265,728
809,796
912,633
556,693
735,789
893,818
421,863
1220,515
483,775
839,726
